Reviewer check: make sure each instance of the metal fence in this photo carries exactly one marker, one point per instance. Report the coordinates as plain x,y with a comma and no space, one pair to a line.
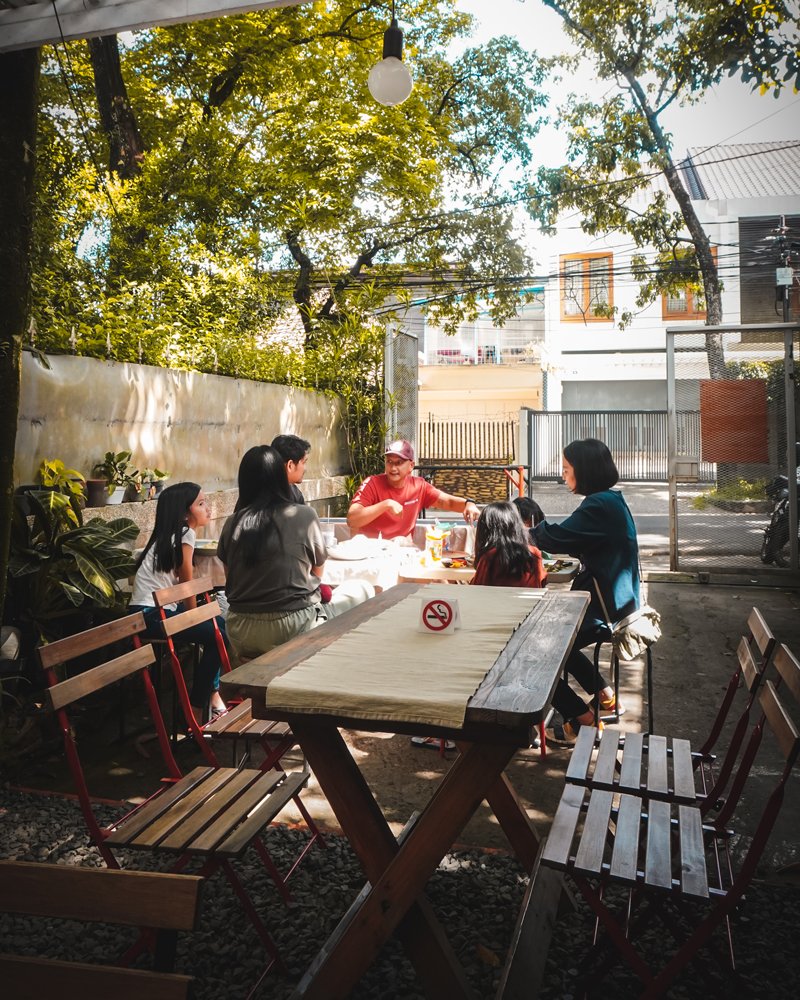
401,378
460,440
636,438
748,424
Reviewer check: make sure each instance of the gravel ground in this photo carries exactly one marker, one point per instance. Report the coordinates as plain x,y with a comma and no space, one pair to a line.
476,894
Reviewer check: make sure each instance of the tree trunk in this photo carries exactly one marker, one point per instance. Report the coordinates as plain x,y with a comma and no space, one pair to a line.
702,244
19,79
125,146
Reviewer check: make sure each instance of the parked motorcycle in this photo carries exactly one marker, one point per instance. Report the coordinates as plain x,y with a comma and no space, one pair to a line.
775,545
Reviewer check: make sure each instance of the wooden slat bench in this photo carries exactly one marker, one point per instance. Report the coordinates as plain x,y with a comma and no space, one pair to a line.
165,903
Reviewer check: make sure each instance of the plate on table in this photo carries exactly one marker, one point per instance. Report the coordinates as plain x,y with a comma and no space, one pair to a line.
558,565
206,543
349,551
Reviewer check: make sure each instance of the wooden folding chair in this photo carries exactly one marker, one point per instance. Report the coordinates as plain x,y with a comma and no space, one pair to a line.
212,814
667,768
238,723
166,903
665,855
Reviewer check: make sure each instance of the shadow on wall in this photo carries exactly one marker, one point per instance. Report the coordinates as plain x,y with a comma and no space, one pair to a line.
195,425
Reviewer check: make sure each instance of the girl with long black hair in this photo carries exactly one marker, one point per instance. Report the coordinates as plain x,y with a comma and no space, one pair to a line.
503,554
274,554
167,560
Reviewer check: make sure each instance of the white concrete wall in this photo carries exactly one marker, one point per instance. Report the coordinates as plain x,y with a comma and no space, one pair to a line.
195,426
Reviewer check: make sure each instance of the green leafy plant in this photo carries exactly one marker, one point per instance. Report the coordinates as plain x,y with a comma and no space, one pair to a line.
740,489
117,469
53,474
153,475
59,565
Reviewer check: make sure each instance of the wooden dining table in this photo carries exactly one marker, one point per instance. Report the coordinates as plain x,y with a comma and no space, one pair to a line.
511,696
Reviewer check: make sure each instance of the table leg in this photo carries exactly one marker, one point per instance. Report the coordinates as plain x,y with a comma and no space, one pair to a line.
397,873
373,841
513,818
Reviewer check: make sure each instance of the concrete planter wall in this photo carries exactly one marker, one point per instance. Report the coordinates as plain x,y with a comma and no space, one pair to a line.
743,506
195,426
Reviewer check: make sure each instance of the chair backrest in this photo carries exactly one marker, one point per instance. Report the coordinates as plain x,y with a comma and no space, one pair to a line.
167,903
61,695
173,625
180,591
776,718
749,669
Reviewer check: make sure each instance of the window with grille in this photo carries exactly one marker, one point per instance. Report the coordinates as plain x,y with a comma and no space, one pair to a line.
587,291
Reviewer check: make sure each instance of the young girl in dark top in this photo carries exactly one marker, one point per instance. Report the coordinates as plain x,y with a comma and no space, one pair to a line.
166,561
503,555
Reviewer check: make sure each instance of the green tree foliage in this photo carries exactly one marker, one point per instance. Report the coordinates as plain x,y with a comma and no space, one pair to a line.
658,54
270,181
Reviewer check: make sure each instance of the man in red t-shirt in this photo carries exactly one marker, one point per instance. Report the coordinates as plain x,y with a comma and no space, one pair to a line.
389,504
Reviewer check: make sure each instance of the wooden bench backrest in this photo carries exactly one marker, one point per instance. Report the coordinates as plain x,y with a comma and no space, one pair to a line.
63,650
96,678
176,624
761,632
161,901
172,595
774,710
138,899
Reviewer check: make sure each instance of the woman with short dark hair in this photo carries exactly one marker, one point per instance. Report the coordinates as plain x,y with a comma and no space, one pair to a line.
602,534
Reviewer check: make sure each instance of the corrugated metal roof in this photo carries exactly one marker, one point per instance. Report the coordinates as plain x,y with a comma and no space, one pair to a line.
744,170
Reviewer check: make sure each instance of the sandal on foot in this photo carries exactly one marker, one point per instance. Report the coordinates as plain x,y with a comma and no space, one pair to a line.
610,705
432,743
566,733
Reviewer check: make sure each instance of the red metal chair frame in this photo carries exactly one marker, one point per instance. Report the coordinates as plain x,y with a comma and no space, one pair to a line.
275,738
202,800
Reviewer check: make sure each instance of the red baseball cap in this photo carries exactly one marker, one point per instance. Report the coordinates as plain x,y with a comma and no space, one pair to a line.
402,449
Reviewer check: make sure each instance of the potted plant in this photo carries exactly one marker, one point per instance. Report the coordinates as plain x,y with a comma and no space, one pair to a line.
54,475
153,482
119,474
60,567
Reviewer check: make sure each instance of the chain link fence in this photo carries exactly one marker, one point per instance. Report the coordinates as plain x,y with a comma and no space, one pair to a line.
747,429
401,378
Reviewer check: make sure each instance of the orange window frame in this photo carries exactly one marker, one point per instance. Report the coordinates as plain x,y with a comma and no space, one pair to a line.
690,312
584,312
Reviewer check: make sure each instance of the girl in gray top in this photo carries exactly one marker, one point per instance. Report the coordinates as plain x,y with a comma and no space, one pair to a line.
274,556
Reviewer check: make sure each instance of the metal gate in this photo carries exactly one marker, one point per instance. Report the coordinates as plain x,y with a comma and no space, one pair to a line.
747,430
636,438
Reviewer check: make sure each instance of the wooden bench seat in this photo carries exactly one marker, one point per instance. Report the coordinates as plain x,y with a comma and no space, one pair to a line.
163,902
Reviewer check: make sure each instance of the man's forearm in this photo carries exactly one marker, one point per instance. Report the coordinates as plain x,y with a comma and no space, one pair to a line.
461,505
358,516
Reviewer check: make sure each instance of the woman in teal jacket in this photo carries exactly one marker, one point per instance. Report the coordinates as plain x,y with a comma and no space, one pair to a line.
601,533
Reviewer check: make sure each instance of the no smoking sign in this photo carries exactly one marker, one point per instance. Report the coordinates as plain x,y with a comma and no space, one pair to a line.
438,616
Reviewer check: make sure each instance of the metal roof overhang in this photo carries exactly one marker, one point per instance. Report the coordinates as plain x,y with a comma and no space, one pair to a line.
26,24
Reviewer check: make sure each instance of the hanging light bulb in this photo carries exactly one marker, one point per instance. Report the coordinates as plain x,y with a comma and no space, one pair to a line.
389,80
